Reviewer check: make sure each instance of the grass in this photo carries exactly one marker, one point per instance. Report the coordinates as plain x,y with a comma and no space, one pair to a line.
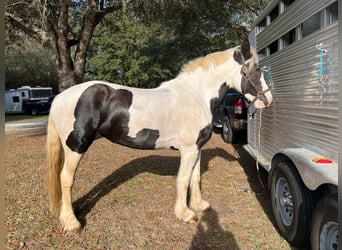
125,199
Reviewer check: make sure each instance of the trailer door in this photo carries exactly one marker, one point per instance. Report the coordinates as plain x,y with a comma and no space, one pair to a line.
13,102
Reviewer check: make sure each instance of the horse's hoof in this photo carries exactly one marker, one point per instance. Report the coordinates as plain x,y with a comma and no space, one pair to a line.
72,228
193,220
70,224
185,215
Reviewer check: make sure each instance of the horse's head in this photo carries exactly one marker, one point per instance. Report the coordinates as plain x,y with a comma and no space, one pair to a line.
252,83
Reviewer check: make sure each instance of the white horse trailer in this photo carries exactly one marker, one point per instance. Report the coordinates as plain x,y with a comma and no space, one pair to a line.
296,138
27,99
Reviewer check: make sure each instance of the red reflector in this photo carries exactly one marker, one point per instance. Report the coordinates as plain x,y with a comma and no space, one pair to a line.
322,160
238,107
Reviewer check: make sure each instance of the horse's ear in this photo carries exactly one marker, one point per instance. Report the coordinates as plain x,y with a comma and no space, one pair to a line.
238,57
246,50
244,53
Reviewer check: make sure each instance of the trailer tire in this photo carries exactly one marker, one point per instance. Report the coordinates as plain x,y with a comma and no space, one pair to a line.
292,204
324,230
34,111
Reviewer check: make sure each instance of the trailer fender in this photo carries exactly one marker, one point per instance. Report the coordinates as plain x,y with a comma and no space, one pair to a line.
313,173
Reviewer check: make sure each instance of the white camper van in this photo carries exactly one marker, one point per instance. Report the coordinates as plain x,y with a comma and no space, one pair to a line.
32,100
296,138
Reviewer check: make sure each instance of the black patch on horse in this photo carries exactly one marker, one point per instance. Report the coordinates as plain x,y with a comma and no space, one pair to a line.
102,110
215,102
238,57
246,50
204,136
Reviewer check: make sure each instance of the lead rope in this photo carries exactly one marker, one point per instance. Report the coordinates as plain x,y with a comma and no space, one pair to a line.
257,156
321,82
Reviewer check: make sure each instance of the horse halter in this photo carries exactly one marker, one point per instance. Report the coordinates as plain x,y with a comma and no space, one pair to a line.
260,94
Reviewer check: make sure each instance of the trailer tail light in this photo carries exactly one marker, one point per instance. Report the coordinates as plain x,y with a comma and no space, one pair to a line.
238,106
322,160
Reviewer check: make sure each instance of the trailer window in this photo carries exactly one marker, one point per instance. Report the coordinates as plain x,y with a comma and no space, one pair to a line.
15,98
311,24
289,38
274,13
23,94
273,47
332,13
287,3
262,25
262,53
321,19
39,93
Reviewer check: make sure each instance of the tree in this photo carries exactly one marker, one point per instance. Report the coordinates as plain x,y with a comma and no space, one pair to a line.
64,26
194,28
29,64
130,51
151,42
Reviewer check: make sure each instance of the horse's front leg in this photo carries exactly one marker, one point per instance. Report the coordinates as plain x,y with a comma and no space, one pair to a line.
67,217
189,158
196,201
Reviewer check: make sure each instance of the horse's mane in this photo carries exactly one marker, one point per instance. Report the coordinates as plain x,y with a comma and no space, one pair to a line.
216,59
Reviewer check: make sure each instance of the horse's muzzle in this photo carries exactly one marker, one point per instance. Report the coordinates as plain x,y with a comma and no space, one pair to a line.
263,99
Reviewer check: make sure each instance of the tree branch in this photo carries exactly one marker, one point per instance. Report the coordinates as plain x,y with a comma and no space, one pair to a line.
95,13
21,24
115,7
32,30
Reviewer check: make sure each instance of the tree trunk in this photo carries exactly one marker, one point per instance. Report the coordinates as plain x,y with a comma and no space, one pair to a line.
66,75
50,26
71,70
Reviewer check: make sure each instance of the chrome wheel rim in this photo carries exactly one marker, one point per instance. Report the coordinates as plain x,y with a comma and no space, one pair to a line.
284,201
329,236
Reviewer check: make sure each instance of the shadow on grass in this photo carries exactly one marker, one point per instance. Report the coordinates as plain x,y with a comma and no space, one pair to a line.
263,195
160,165
249,166
210,235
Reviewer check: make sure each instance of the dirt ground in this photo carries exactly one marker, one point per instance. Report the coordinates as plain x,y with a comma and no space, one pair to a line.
124,199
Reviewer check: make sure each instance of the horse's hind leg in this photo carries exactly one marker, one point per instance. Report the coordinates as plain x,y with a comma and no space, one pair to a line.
196,201
67,217
189,158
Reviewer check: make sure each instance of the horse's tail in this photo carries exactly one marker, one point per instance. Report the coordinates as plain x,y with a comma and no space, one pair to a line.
55,161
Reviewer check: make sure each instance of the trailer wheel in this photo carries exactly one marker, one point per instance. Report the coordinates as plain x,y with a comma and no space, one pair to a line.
292,204
34,111
324,230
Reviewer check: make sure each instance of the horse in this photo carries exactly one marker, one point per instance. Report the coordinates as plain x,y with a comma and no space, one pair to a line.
175,115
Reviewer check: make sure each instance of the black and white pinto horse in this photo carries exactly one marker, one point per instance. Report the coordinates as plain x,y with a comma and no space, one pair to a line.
175,115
